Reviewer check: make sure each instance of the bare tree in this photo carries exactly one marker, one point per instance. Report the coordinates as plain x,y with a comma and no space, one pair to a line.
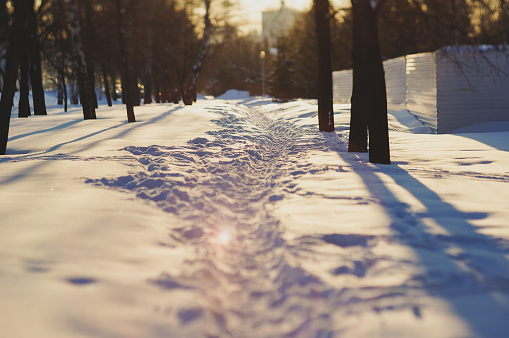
369,97
11,73
120,9
80,65
190,95
35,60
323,37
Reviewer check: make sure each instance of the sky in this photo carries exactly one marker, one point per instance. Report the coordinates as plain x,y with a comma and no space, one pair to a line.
251,10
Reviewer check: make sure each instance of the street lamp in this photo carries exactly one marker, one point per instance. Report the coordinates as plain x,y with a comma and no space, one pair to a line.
262,57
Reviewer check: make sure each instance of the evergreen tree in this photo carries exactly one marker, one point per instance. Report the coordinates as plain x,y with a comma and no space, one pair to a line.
281,79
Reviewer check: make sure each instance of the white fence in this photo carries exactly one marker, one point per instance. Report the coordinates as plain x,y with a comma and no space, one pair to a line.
447,89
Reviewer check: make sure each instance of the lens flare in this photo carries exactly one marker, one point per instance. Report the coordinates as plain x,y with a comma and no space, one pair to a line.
224,236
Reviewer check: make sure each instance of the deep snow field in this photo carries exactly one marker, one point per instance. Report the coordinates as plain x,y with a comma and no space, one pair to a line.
236,217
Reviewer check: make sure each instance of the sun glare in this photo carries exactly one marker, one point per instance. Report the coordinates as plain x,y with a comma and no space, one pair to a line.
224,236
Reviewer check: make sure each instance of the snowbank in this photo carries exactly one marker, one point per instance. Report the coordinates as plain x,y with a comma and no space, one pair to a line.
233,94
240,219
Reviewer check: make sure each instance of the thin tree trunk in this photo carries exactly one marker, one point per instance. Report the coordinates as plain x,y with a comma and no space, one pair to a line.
24,69
189,93
61,78
73,91
126,84
60,94
35,62
80,64
325,104
64,86
11,73
135,89
24,82
114,95
89,40
157,93
107,91
147,95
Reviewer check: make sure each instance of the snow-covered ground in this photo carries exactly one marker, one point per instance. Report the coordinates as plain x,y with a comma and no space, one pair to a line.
237,218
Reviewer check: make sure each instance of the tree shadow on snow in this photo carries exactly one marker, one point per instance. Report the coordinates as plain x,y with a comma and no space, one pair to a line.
465,268
129,127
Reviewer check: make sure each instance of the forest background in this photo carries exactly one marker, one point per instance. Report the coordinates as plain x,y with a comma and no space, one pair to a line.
162,39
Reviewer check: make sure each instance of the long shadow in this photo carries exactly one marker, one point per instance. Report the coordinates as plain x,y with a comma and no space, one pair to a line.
47,130
132,126
476,267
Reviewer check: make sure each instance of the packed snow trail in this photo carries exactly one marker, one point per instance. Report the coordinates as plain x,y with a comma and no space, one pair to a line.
243,277
223,189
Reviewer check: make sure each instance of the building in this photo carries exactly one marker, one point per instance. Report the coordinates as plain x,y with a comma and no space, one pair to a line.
446,89
276,23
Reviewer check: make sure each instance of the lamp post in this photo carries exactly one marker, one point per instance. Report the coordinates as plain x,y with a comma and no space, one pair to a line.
262,57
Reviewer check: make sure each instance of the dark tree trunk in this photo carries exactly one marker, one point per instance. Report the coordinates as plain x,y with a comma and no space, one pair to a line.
135,89
157,93
11,73
369,97
114,95
190,88
73,91
62,87
24,69
107,91
91,80
60,94
35,61
4,30
147,95
90,38
126,83
325,104
80,65
24,82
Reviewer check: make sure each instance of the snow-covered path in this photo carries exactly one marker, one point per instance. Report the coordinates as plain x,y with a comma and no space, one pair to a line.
240,219
223,189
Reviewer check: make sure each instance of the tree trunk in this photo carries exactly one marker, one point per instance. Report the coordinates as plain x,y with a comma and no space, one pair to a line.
35,61
157,93
11,73
62,88
4,29
369,97
24,69
126,83
190,90
114,95
73,91
89,42
107,91
325,104
80,64
24,82
147,95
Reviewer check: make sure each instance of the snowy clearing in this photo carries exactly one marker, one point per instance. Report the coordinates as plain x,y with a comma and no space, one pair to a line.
236,217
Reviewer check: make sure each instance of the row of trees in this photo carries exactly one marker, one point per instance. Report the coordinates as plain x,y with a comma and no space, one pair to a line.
157,49
404,27
372,28
151,49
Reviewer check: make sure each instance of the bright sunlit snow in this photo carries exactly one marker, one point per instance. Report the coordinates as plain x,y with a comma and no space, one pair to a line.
236,217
